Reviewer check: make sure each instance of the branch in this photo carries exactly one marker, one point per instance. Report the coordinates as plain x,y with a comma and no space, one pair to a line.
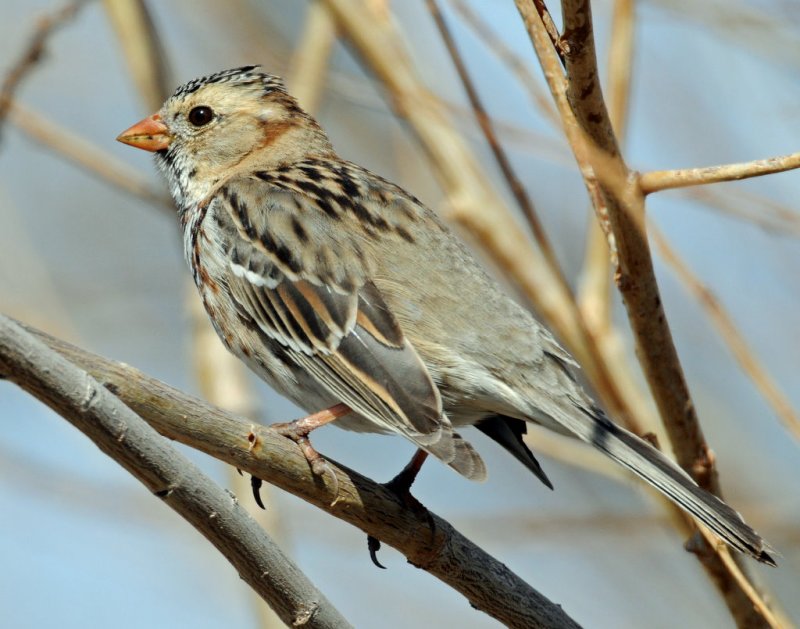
445,553
594,293
92,159
560,44
141,48
666,179
46,25
125,437
496,45
591,136
485,123
732,336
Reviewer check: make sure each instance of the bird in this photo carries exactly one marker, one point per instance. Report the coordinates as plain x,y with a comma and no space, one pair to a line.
353,299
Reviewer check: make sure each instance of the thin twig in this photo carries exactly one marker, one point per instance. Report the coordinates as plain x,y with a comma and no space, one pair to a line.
761,211
125,437
46,25
732,336
594,294
666,179
308,68
79,151
744,204
560,44
485,122
759,606
441,550
142,49
497,46
591,136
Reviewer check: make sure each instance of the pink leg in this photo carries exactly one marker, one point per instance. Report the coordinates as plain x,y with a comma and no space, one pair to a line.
299,429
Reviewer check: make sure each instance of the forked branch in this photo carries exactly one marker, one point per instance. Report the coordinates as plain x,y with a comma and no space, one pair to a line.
488,584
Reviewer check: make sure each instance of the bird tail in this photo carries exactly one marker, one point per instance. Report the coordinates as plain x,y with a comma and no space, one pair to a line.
644,460
459,454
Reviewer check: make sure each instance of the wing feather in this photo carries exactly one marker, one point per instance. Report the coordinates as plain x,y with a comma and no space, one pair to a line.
341,332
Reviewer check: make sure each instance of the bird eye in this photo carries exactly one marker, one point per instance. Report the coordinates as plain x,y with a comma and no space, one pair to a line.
201,115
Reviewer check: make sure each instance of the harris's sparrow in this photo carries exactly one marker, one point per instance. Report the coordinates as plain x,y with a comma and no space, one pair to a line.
346,293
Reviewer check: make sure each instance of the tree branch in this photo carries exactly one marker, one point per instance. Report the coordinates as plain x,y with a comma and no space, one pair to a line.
503,162
80,152
732,336
657,180
125,437
591,135
45,26
488,584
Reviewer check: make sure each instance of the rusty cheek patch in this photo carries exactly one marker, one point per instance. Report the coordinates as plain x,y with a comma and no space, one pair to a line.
273,131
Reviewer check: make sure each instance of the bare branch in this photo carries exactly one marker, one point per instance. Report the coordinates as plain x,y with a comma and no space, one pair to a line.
560,45
746,205
488,584
734,569
309,65
666,179
485,123
92,159
589,130
594,292
497,46
142,49
732,336
45,27
125,437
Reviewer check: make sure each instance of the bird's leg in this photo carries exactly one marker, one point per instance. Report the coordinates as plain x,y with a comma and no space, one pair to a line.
400,485
298,431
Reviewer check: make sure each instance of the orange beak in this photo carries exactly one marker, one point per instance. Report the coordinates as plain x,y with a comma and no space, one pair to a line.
149,134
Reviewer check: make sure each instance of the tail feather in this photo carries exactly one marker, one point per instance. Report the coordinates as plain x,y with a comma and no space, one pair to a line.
466,461
508,432
655,468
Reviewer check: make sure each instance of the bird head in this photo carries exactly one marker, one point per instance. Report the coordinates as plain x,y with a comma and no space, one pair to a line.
224,124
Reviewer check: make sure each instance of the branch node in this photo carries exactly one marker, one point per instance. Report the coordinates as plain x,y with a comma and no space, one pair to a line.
305,614
164,493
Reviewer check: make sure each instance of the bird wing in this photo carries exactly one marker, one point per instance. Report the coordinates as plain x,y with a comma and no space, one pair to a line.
303,281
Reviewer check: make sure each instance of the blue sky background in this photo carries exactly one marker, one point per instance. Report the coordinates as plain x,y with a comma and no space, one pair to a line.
83,544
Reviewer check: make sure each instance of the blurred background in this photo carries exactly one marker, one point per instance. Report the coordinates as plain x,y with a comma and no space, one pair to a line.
83,544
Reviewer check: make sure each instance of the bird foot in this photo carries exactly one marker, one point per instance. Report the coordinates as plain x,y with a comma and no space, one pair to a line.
400,486
298,431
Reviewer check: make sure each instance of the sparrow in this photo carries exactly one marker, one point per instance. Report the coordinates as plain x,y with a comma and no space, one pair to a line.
353,299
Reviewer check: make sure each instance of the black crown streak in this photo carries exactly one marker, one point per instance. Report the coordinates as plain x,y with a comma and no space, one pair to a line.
246,75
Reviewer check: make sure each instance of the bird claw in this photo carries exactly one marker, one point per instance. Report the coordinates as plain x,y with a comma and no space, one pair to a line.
374,545
256,483
400,486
